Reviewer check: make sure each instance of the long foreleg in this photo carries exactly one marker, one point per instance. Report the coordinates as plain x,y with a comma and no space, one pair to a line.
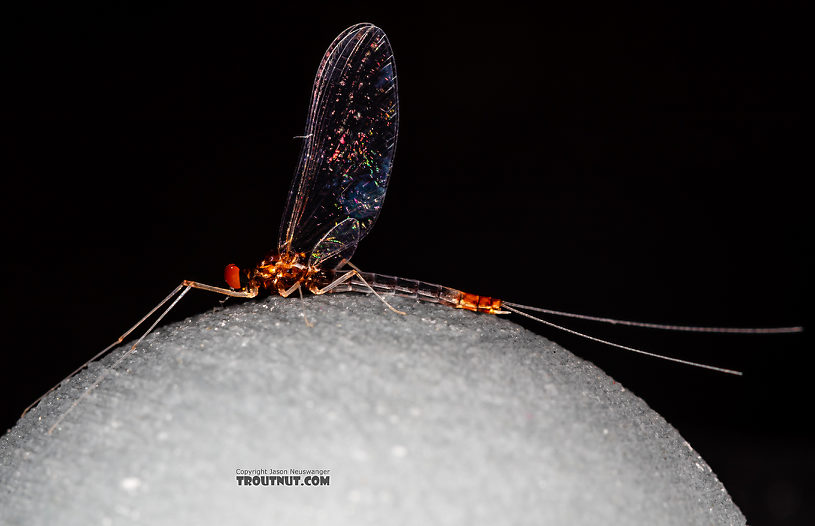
179,291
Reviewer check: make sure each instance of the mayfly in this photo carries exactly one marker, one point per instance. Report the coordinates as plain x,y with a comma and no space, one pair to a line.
336,195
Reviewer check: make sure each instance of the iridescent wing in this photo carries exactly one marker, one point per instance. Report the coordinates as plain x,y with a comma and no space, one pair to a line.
337,246
348,148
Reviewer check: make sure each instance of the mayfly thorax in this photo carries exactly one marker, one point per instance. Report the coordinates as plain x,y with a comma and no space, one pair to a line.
336,196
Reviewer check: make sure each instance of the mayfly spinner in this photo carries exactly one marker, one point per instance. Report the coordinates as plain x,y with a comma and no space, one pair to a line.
335,198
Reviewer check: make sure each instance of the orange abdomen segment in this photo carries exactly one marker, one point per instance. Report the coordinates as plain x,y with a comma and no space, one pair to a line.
408,288
477,303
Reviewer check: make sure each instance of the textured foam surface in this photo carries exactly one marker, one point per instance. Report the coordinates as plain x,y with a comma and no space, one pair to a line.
437,417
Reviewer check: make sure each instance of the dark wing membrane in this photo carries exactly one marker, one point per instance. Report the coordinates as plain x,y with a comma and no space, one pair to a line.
349,143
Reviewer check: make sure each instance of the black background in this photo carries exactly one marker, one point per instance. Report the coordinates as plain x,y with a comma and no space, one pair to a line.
639,164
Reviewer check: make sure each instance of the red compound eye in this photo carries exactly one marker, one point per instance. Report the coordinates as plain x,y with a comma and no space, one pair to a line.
232,275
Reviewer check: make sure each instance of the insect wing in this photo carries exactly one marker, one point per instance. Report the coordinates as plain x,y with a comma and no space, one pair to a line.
349,143
337,246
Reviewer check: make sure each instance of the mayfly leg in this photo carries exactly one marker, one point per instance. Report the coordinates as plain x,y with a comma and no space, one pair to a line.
104,351
358,273
186,285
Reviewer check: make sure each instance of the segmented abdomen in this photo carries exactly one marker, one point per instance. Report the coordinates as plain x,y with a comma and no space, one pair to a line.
409,288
